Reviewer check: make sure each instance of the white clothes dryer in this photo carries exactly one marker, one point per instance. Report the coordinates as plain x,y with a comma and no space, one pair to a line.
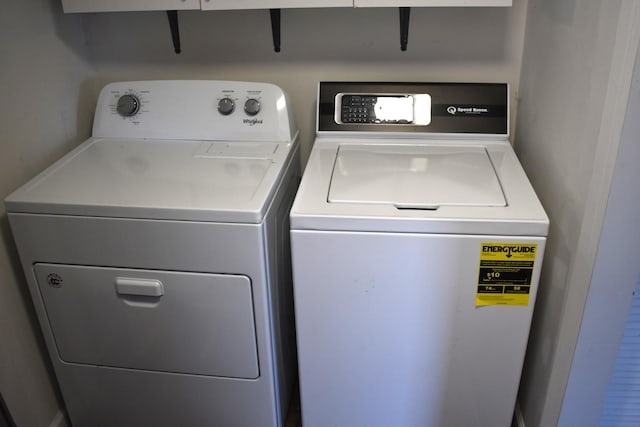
157,255
417,244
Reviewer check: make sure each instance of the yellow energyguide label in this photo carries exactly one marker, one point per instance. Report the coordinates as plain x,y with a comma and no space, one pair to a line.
504,274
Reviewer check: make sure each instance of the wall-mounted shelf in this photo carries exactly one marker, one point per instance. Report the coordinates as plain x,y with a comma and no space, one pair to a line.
72,6
76,6
272,4
432,3
173,6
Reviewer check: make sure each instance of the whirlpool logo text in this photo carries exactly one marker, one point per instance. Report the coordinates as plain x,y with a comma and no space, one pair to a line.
252,122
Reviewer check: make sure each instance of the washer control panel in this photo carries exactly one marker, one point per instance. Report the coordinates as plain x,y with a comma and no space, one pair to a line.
383,108
431,108
194,109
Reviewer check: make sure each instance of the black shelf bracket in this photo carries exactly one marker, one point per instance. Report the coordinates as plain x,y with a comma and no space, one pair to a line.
175,29
275,28
404,27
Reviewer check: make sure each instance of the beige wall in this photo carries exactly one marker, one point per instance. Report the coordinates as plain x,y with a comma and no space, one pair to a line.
41,88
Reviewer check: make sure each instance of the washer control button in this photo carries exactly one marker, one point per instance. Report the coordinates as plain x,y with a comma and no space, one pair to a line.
128,105
252,106
226,106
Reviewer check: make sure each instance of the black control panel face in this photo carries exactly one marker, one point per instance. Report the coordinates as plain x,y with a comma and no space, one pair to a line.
443,108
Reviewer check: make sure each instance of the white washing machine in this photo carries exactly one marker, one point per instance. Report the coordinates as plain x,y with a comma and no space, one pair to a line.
157,255
417,243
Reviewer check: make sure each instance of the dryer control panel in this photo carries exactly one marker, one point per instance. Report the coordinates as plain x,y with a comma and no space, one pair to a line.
194,110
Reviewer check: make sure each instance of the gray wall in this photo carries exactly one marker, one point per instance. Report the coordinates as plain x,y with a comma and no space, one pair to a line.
574,88
42,115
615,274
55,64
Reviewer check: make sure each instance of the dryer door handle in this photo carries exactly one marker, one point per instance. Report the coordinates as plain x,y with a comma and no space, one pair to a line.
139,287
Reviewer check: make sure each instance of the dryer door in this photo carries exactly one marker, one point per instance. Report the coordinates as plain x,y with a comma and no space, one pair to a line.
167,321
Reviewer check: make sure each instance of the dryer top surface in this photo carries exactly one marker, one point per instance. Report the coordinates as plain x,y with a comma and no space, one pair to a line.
159,179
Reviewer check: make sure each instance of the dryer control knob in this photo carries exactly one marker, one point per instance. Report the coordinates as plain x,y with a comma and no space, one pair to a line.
226,106
252,106
128,105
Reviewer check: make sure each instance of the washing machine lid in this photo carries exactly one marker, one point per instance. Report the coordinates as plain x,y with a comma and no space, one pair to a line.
159,179
416,186
415,176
